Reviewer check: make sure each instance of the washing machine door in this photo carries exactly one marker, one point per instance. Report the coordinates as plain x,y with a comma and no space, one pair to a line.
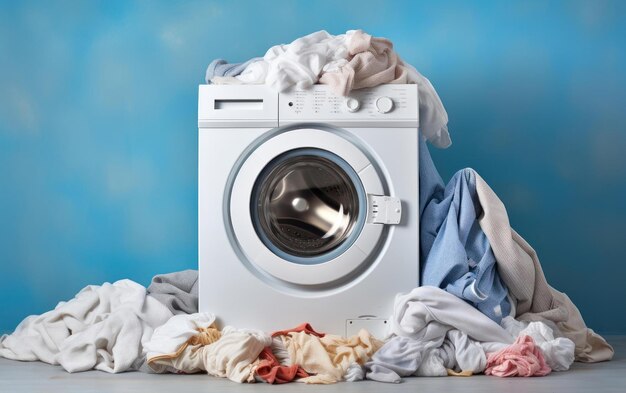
307,207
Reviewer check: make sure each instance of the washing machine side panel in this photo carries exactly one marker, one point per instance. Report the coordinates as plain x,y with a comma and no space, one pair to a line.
218,264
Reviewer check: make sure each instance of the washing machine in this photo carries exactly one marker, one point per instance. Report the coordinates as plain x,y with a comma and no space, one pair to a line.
307,205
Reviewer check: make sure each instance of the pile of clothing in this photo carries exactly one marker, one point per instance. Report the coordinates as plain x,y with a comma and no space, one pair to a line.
484,305
123,326
344,62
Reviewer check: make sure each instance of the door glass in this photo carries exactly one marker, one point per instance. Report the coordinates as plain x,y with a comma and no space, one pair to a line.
306,204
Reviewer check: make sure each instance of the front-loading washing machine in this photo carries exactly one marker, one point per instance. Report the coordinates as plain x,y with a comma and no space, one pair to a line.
307,205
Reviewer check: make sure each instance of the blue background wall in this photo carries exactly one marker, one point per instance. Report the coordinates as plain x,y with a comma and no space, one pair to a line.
98,129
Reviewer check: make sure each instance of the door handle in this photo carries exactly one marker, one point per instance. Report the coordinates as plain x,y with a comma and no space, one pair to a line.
383,209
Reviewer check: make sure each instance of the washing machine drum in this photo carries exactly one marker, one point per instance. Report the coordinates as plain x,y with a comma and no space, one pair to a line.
306,203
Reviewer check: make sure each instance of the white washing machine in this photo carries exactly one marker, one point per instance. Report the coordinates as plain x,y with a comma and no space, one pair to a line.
308,205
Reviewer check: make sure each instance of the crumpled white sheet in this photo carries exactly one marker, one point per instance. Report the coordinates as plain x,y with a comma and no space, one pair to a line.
354,373
255,73
169,337
280,352
301,62
436,361
429,312
458,352
434,331
102,327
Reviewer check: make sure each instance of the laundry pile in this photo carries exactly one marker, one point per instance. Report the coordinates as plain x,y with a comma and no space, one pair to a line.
484,305
345,62
123,326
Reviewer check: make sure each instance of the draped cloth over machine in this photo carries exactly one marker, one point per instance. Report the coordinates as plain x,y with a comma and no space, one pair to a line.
484,304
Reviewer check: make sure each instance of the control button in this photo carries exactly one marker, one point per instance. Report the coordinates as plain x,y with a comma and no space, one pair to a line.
352,104
384,104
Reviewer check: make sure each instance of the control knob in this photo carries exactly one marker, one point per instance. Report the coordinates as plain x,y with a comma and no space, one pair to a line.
352,104
384,104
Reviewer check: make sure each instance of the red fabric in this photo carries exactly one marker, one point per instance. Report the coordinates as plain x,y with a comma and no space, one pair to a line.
303,327
272,372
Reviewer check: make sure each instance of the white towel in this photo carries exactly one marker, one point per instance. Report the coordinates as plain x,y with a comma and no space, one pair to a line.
103,328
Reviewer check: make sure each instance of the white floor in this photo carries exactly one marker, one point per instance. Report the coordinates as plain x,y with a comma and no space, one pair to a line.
40,377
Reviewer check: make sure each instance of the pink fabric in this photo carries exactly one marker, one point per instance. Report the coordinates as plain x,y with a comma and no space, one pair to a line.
372,62
520,359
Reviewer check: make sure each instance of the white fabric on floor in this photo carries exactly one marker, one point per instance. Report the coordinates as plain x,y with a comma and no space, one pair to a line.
103,328
421,322
427,313
354,373
168,338
435,331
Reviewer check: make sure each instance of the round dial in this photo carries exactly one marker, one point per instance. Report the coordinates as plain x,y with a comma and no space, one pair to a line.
384,104
352,104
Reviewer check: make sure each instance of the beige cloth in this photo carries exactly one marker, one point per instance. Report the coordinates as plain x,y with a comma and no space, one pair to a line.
231,353
205,336
452,373
330,356
520,269
371,62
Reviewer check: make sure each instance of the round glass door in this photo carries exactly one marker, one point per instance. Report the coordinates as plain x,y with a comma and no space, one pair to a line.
308,205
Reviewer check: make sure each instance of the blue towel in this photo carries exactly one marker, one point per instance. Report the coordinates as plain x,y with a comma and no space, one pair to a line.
220,67
455,254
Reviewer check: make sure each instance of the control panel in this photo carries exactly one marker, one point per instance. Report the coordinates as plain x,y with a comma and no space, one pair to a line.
396,105
260,106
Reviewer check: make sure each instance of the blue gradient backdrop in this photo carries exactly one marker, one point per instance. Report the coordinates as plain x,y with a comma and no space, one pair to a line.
98,129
